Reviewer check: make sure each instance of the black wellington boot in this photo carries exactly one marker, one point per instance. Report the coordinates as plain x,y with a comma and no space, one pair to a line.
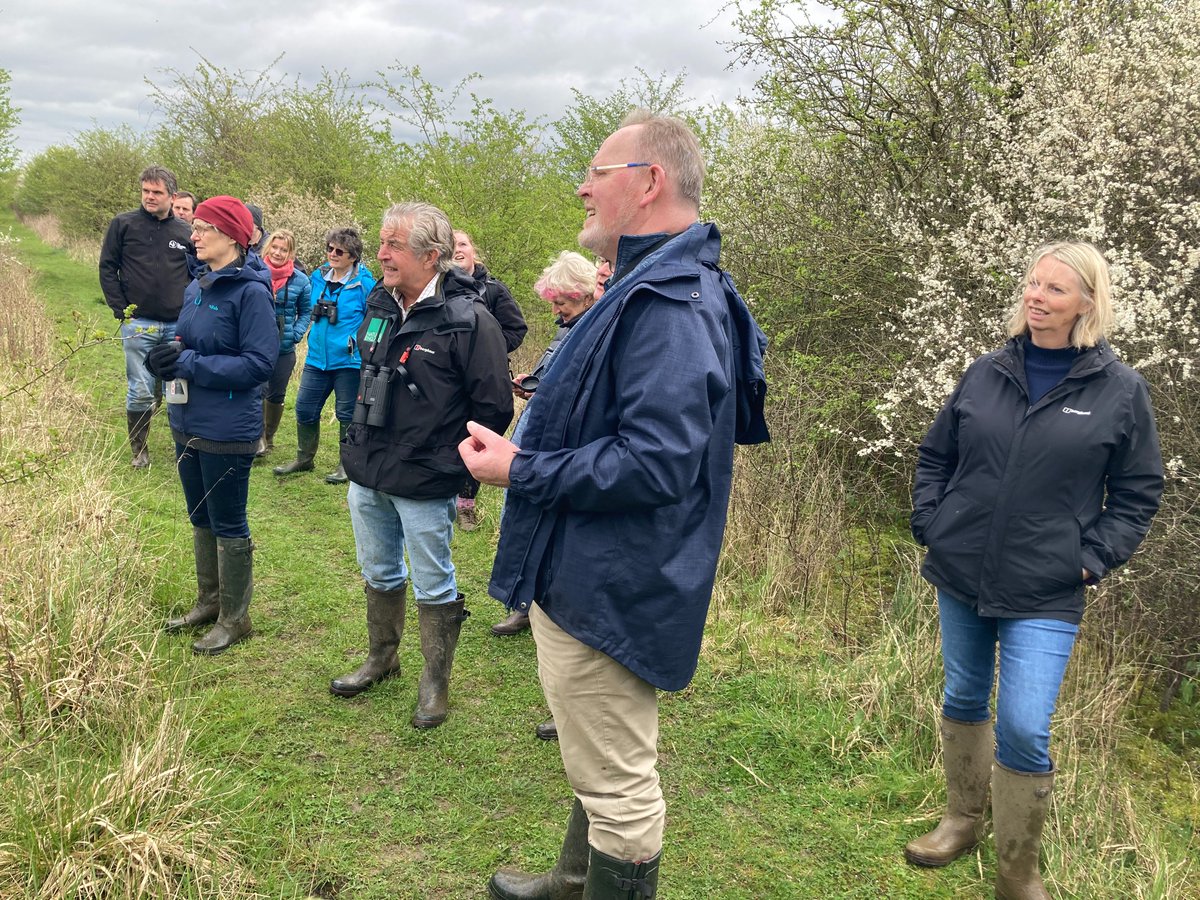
208,584
307,439
440,626
385,627
618,879
564,882
235,559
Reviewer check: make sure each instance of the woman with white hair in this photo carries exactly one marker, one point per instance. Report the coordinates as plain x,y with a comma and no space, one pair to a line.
1039,476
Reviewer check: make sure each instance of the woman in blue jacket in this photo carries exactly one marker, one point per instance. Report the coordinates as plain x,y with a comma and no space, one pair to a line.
225,346
1039,476
293,309
339,301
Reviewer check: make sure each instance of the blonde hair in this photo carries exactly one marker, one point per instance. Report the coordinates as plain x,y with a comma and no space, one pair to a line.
287,237
1090,266
570,275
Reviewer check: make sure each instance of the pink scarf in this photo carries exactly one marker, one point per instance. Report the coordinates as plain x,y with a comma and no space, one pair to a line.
280,276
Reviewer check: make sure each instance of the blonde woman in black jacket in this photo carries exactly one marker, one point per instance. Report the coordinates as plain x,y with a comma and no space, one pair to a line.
1039,476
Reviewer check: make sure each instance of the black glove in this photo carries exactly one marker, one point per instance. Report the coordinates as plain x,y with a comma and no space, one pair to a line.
162,359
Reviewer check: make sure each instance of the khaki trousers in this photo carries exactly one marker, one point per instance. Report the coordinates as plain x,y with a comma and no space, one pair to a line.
607,722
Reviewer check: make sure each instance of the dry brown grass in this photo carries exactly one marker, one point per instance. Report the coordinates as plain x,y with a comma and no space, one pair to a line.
82,250
99,798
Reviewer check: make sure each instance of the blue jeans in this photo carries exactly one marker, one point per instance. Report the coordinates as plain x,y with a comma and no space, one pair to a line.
215,487
1033,658
385,524
315,387
138,337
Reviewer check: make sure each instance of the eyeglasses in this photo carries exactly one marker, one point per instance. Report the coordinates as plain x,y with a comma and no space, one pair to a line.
593,171
202,227
336,251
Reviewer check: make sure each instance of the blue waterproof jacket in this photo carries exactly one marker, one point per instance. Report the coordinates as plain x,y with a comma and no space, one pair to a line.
336,346
616,509
227,326
293,311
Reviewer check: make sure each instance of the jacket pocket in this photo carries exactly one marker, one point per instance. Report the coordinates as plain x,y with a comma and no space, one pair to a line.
957,537
1042,555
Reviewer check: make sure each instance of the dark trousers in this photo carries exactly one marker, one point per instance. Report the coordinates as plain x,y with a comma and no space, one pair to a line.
215,487
276,388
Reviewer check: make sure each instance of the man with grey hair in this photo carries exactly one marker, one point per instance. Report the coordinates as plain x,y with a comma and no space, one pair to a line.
143,272
432,359
618,484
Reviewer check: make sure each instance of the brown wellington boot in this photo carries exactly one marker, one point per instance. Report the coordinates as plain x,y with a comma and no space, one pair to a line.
235,560
208,583
139,433
385,627
308,437
967,751
272,415
440,625
1020,802
564,882
617,879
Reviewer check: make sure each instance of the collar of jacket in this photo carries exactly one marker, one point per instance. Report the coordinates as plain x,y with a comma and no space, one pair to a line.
1092,360
354,278
254,269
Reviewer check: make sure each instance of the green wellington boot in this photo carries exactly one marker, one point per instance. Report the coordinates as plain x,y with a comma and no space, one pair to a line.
617,879
564,882
307,439
967,751
208,583
138,424
235,559
1020,802
385,627
440,626
338,475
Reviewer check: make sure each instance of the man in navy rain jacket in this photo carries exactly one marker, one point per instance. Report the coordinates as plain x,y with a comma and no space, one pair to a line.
619,477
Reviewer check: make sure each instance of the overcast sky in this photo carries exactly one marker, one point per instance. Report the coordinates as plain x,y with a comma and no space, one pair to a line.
75,64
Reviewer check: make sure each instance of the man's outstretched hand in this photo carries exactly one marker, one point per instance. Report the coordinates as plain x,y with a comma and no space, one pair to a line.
488,455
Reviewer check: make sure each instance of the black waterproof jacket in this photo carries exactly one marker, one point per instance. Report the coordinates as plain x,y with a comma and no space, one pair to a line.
502,306
1015,501
143,261
453,353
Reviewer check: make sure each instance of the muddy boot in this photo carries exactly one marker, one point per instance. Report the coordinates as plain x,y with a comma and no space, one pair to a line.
617,879
546,731
1020,802
465,519
235,561
564,882
440,625
208,584
272,414
307,439
338,475
967,751
139,433
385,626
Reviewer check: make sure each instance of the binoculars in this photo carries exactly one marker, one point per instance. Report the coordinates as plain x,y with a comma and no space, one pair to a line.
374,390
323,309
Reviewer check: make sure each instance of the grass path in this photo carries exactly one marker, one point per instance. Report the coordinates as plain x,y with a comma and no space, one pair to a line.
337,798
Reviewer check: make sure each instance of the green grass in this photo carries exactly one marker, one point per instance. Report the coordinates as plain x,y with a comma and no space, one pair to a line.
779,782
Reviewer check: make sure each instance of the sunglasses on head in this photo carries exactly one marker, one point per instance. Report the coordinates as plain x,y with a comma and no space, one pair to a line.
336,251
